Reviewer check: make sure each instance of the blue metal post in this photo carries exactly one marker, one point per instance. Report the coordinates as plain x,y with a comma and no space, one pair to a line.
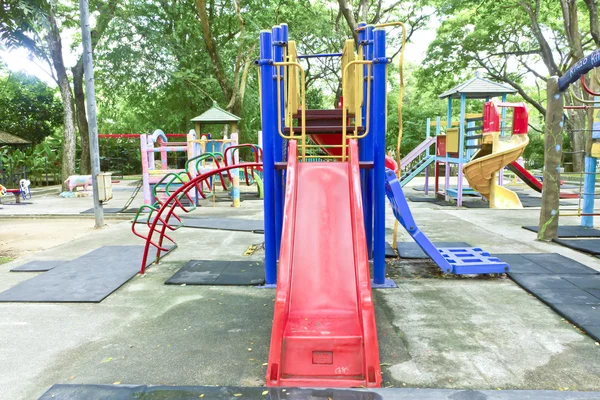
277,139
427,135
269,129
461,147
589,187
367,143
378,133
446,162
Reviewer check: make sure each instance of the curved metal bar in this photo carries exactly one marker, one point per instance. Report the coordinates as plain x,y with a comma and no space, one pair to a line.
236,148
170,210
586,88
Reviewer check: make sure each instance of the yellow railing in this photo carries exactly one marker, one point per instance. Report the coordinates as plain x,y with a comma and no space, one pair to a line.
357,83
355,80
290,110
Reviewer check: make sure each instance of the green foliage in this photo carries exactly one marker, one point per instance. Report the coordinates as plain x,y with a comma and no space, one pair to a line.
419,104
28,107
37,161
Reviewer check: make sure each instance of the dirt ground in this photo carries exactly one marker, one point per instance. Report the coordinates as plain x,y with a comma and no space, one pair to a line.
20,237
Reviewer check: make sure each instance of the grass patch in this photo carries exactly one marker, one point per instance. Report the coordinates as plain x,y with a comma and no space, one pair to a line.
4,260
131,178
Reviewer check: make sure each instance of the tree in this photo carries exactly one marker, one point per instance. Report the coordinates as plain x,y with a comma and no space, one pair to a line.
28,107
154,69
526,41
106,12
32,24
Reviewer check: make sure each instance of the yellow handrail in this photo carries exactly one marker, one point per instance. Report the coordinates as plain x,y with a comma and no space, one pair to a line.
302,107
344,108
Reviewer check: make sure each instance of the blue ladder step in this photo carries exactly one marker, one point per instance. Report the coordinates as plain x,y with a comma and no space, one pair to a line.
453,192
459,260
473,260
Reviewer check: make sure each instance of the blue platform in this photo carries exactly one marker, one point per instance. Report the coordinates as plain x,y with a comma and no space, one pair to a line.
463,260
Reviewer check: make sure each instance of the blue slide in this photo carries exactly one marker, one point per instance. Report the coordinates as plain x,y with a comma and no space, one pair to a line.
462,260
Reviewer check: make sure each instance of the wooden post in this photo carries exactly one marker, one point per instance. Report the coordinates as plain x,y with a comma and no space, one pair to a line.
548,225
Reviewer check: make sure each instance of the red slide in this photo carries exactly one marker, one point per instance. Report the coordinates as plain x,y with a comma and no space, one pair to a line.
324,332
533,182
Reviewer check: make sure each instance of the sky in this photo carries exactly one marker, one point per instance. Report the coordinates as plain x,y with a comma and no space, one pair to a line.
19,59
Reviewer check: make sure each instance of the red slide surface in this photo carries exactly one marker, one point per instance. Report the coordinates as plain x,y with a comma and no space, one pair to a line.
533,182
324,332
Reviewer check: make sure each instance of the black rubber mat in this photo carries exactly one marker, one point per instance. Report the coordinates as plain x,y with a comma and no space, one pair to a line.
580,314
475,204
432,200
108,210
568,287
38,266
136,392
590,246
521,265
526,201
567,296
532,282
412,249
87,279
585,282
559,264
389,251
225,224
571,231
215,272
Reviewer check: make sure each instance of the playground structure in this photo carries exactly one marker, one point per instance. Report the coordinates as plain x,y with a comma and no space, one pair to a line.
203,154
457,143
324,324
23,192
461,139
555,91
494,154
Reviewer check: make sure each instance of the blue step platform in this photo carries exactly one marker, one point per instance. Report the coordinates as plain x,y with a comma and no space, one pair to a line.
460,261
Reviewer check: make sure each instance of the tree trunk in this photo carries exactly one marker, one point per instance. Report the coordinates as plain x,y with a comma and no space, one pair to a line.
575,126
107,13
211,48
346,9
592,6
545,49
85,163
548,224
55,48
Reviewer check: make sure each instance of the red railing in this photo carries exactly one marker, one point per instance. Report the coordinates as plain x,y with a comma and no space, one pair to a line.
167,208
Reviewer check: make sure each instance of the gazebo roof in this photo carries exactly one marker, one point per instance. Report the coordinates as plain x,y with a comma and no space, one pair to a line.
478,88
6,139
216,115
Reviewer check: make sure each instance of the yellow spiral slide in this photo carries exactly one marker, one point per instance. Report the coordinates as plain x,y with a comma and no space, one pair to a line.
481,172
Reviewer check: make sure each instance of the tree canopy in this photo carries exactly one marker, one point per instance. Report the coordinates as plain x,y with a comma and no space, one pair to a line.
28,107
160,63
